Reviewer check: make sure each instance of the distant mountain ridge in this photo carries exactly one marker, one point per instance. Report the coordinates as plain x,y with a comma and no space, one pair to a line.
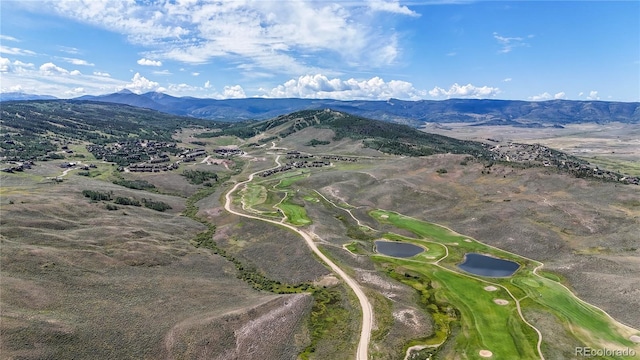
20,96
413,113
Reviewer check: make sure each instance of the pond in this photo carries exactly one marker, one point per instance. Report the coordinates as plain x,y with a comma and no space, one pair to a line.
397,249
483,265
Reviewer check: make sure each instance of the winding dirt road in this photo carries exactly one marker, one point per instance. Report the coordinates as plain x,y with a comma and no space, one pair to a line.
367,310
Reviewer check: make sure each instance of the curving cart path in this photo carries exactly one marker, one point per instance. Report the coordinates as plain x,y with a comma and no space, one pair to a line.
367,310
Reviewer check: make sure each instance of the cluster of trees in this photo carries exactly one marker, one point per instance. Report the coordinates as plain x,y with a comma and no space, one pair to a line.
121,200
198,177
135,184
155,205
96,195
27,146
314,142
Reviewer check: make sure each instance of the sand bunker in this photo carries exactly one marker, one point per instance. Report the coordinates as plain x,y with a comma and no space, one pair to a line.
467,240
485,353
500,301
490,288
384,216
635,338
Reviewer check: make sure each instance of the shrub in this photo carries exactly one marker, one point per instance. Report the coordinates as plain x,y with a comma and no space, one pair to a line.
111,207
127,201
442,171
197,177
156,205
135,184
315,142
97,195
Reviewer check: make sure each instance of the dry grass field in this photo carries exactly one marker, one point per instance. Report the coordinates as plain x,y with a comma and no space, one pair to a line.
80,281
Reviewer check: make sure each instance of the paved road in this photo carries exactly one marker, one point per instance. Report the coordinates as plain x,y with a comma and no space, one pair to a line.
367,310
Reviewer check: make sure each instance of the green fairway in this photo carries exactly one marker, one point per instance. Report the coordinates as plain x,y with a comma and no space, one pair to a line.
489,318
295,214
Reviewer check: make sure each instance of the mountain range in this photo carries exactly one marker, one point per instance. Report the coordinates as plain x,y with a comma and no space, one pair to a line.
413,113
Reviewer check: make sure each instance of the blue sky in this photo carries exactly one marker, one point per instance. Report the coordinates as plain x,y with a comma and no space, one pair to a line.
375,49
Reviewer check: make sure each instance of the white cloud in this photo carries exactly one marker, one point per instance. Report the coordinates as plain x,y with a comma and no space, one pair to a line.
78,62
509,43
15,67
546,96
581,93
593,95
75,92
147,62
195,73
139,84
181,88
392,6
52,79
52,69
5,64
321,87
541,97
8,38
207,84
280,36
100,73
234,92
464,91
15,51
507,79
162,72
69,50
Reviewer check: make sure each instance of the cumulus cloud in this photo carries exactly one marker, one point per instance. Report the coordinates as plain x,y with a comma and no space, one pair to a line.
207,84
546,96
139,84
147,62
464,91
509,43
15,67
320,87
233,92
593,95
392,6
5,64
52,69
100,73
